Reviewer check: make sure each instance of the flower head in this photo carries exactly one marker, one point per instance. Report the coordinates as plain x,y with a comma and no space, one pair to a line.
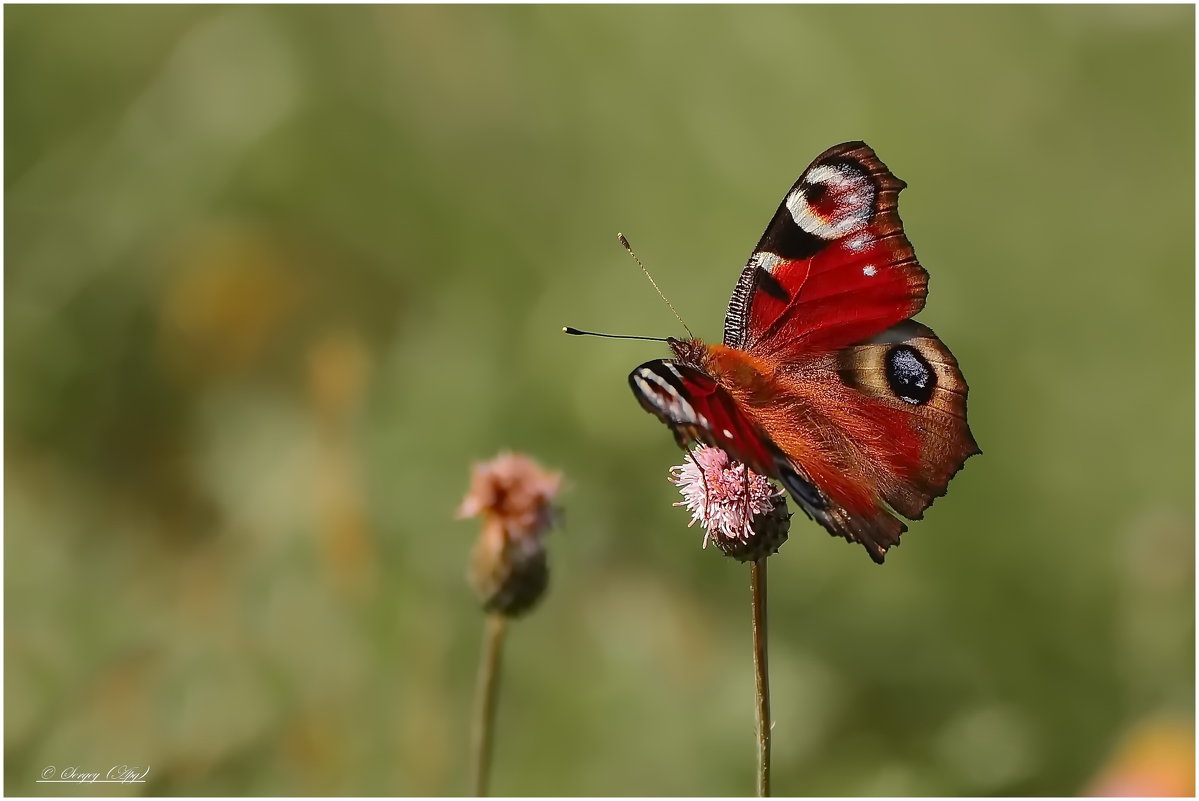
513,490
740,510
515,497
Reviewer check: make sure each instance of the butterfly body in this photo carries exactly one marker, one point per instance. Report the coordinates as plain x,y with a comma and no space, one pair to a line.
823,380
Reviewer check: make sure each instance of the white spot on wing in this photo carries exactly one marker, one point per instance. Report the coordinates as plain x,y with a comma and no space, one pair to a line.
869,270
728,434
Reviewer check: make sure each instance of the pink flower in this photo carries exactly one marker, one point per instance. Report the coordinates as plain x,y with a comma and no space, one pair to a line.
740,510
513,491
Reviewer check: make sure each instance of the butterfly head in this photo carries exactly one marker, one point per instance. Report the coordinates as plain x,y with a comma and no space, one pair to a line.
689,351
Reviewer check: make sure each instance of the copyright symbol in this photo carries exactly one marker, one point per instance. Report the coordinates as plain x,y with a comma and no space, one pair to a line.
49,772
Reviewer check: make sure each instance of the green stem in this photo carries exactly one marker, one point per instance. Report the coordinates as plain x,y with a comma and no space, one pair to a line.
757,587
485,700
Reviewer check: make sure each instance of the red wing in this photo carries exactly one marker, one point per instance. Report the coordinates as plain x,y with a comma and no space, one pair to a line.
833,267
697,409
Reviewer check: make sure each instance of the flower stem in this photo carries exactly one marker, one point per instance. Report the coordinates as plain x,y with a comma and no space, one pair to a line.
757,587
485,698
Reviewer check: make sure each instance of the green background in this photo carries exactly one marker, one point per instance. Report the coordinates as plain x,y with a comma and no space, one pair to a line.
276,276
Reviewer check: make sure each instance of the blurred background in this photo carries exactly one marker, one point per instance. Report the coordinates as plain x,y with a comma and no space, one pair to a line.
275,277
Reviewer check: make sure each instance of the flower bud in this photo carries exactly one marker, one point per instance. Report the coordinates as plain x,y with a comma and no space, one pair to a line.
509,574
514,495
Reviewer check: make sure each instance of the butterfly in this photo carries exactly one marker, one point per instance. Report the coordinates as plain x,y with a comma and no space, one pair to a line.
823,381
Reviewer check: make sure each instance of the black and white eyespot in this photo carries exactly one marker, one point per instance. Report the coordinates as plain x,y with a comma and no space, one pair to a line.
834,200
909,375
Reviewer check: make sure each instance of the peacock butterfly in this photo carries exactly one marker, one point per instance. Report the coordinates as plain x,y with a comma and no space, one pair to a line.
824,382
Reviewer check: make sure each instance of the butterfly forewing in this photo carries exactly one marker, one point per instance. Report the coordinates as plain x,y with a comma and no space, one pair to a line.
834,266
697,409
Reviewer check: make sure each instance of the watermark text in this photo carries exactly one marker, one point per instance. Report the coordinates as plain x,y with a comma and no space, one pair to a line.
117,774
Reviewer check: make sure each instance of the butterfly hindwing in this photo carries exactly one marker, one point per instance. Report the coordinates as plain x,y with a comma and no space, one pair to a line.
879,427
909,371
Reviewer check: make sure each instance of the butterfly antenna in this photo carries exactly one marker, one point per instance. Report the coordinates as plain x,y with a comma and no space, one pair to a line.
665,299
567,329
